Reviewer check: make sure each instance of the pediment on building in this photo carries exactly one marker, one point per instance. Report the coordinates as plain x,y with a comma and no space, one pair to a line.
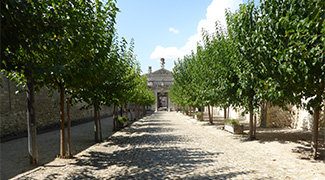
162,71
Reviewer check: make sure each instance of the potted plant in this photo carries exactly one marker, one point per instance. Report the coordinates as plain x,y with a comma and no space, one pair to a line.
122,121
197,115
233,126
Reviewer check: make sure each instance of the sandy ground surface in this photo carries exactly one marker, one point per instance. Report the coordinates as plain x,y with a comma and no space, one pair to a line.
14,155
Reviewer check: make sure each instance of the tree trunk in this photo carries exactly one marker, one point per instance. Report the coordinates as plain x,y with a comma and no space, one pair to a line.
62,130
210,119
314,144
264,114
212,112
135,112
131,113
139,112
31,121
121,110
116,118
114,124
225,113
143,110
251,125
126,110
255,122
96,123
69,128
202,111
100,127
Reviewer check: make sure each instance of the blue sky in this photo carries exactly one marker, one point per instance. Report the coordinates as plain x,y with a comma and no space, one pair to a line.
167,28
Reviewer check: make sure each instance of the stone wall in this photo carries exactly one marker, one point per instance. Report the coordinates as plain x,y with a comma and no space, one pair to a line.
13,109
274,116
297,118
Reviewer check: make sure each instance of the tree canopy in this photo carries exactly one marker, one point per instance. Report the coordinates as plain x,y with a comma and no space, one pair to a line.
272,52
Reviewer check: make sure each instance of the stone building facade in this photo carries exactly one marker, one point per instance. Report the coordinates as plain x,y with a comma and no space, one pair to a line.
14,105
159,82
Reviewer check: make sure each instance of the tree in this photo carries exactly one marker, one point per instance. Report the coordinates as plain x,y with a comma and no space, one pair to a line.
292,32
22,32
243,27
63,37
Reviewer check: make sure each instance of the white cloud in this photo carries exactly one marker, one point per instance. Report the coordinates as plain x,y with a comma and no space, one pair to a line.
171,29
167,53
215,12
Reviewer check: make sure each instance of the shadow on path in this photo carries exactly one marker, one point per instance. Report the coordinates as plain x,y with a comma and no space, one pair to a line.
154,163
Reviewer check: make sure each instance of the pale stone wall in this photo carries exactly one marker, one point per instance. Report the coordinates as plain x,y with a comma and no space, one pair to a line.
13,109
297,118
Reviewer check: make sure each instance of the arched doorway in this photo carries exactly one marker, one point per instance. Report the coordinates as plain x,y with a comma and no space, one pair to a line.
162,100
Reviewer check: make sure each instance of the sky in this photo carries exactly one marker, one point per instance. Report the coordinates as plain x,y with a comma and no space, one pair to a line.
168,29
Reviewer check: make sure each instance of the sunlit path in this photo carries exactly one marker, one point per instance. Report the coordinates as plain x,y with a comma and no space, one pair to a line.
171,145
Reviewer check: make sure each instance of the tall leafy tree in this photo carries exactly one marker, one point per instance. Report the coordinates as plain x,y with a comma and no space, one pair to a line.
292,36
22,34
243,25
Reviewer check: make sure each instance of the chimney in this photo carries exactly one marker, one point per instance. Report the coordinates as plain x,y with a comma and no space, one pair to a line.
149,70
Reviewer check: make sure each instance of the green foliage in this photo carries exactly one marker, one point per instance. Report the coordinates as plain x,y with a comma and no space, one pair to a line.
71,46
123,119
198,114
232,121
293,43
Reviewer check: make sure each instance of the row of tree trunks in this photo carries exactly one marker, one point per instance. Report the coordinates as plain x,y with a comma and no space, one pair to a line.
63,143
253,123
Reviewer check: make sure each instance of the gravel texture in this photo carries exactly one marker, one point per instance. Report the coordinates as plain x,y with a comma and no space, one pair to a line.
169,145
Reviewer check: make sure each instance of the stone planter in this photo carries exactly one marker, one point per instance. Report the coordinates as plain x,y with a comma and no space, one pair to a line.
235,129
197,117
122,125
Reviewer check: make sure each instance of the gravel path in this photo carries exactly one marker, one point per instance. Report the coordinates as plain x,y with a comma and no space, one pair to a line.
173,146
